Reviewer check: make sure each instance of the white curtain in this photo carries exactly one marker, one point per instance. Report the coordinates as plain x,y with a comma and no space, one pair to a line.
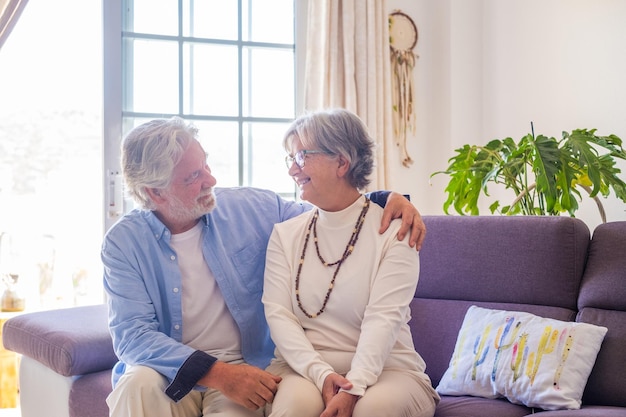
10,11
347,65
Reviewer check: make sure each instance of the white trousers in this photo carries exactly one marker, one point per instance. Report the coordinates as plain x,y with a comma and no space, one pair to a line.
397,393
140,392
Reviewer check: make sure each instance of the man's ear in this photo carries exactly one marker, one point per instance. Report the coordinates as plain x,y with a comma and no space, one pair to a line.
155,195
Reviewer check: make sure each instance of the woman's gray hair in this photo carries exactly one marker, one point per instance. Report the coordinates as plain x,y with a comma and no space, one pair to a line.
336,132
149,154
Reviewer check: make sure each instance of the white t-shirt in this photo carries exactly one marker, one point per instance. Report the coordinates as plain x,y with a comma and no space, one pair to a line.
207,323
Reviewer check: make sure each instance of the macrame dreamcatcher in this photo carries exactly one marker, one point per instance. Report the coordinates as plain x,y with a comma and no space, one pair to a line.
402,40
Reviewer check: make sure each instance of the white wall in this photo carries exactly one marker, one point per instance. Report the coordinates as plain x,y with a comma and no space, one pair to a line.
488,68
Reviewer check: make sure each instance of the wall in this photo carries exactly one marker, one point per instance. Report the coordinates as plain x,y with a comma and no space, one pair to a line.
488,68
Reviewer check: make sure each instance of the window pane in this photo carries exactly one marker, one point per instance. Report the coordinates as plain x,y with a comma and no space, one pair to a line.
220,141
269,83
268,23
153,76
130,123
151,16
265,167
51,192
210,19
211,84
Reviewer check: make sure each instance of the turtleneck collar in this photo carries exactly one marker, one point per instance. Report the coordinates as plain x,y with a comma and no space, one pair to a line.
342,217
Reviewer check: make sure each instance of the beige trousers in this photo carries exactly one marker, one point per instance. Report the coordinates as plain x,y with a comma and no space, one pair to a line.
397,393
141,392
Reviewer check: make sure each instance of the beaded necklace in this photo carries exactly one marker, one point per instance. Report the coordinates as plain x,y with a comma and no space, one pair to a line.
347,252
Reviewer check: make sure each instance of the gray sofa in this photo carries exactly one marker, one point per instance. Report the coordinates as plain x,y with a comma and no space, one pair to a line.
548,266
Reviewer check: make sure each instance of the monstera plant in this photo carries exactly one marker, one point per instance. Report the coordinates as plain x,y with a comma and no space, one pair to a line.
545,175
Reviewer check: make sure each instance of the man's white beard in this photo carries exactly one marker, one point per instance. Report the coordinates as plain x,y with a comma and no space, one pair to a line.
182,214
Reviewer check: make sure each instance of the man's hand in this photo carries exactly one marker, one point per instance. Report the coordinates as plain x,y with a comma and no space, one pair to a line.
338,404
399,206
244,384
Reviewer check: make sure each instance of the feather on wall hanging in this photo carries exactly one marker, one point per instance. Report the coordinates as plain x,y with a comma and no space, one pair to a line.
402,41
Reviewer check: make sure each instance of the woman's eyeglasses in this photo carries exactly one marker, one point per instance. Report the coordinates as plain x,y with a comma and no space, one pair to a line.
299,157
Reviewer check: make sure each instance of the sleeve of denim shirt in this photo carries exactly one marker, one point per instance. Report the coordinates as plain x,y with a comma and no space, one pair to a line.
140,282
379,197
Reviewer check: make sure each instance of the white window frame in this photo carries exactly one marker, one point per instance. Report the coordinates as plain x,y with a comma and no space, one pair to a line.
113,98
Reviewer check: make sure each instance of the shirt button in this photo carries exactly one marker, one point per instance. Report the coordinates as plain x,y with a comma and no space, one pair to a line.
177,326
175,289
172,257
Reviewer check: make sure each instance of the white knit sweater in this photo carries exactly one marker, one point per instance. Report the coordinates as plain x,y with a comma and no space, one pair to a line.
364,326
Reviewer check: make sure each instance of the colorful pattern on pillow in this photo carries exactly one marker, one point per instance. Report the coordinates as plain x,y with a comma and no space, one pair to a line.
529,360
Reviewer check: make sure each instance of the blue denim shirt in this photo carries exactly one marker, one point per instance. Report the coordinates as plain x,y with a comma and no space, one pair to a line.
143,284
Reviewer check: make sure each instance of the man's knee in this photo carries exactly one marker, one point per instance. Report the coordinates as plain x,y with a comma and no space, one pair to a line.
139,392
141,378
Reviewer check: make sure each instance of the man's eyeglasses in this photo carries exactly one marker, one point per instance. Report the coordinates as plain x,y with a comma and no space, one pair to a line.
299,157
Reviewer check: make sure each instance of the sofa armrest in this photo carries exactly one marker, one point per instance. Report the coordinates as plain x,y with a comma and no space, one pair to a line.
70,341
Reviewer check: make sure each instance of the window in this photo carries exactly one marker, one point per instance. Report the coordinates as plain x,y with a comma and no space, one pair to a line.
227,66
72,87
51,153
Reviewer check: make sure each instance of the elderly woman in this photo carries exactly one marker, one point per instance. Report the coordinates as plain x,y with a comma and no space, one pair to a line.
336,291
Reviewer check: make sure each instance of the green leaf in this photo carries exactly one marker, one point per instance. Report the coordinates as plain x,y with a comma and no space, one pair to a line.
544,174
546,163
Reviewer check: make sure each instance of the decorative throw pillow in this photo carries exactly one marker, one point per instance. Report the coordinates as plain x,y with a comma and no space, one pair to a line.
530,360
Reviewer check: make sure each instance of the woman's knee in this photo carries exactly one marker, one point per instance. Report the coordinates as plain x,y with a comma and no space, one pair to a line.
296,396
397,394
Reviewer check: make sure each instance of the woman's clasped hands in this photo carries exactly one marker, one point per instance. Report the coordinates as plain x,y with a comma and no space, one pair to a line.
338,403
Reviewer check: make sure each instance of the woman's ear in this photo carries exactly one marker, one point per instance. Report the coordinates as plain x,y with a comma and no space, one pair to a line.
344,166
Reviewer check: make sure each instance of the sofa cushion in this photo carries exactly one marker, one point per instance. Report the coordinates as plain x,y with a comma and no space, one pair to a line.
607,382
586,411
89,392
530,360
604,281
602,301
475,406
70,341
508,259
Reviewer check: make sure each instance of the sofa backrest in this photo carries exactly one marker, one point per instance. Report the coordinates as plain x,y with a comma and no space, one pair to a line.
525,263
602,301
